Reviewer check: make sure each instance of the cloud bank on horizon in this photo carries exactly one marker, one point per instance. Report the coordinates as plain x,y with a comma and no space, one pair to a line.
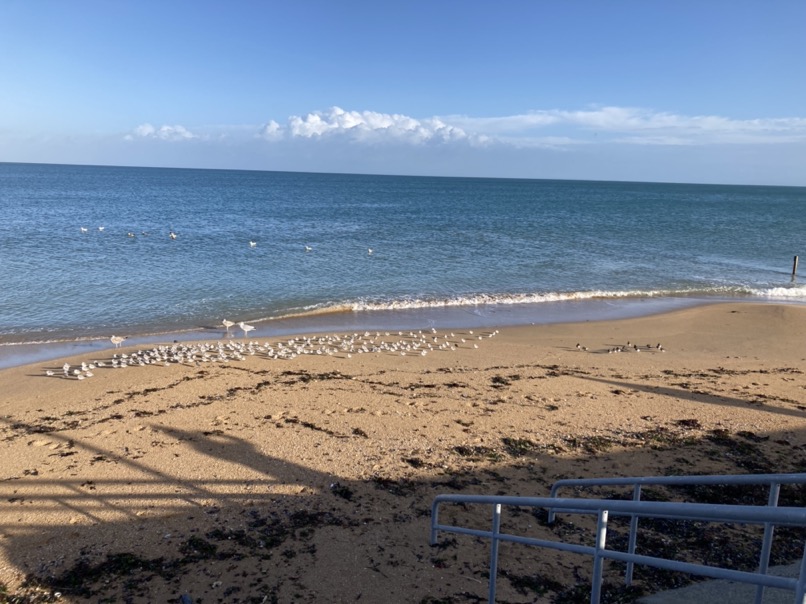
552,128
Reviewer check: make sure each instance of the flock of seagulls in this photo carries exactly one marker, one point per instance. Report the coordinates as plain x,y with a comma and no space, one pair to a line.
400,343
131,234
629,347
173,235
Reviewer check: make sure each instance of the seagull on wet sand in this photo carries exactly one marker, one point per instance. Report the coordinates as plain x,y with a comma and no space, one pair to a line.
117,340
227,324
246,328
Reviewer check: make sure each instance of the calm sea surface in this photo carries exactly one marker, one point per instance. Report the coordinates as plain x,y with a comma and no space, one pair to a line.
486,249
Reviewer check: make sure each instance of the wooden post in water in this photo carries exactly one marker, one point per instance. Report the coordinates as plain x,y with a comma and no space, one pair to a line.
794,268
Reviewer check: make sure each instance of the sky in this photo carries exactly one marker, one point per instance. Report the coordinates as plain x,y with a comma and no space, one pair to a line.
701,91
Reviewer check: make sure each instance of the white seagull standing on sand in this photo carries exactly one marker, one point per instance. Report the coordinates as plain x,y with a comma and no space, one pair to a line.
246,328
117,340
227,324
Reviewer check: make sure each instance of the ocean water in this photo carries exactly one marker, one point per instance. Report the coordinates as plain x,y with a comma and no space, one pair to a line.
490,249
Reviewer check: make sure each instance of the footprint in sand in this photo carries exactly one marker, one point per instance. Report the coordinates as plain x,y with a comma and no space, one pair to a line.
40,443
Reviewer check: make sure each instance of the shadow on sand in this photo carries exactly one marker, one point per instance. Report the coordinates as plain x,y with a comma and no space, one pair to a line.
223,520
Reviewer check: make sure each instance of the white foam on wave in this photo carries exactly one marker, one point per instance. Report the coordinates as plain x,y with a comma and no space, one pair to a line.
788,293
505,299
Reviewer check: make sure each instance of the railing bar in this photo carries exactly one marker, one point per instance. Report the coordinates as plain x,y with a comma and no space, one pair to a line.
706,571
674,565
746,514
558,545
681,480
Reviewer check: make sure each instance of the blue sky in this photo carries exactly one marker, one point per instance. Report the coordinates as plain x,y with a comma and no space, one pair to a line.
650,90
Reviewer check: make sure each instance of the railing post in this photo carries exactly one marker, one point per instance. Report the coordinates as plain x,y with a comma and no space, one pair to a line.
494,551
434,521
552,513
766,544
598,560
636,496
800,589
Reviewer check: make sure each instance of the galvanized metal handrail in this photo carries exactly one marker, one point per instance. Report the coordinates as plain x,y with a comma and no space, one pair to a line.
774,481
603,509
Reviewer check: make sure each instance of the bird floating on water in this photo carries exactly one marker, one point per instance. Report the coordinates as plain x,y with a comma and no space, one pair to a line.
369,251
83,229
172,235
253,244
308,248
100,228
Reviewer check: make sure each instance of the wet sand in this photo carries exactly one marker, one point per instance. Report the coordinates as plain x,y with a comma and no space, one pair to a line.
310,479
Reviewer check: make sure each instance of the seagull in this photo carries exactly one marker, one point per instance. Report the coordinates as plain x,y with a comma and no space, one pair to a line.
101,228
227,324
369,252
130,234
246,328
253,244
172,235
308,248
83,229
117,340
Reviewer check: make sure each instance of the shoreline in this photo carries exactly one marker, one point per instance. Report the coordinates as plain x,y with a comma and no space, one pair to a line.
255,476
15,354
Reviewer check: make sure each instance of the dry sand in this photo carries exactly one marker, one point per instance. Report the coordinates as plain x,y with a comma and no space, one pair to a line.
310,480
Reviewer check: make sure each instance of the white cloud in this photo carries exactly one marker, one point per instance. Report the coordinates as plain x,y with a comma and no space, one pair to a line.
164,133
271,131
371,126
638,126
547,128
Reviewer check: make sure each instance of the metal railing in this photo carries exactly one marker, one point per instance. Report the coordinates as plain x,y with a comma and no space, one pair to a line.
762,515
773,481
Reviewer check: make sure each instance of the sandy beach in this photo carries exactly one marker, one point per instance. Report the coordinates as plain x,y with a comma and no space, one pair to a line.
310,479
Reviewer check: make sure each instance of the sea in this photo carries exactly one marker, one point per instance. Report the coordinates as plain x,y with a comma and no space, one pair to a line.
151,254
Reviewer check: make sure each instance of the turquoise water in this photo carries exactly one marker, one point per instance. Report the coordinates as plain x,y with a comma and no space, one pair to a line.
476,246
